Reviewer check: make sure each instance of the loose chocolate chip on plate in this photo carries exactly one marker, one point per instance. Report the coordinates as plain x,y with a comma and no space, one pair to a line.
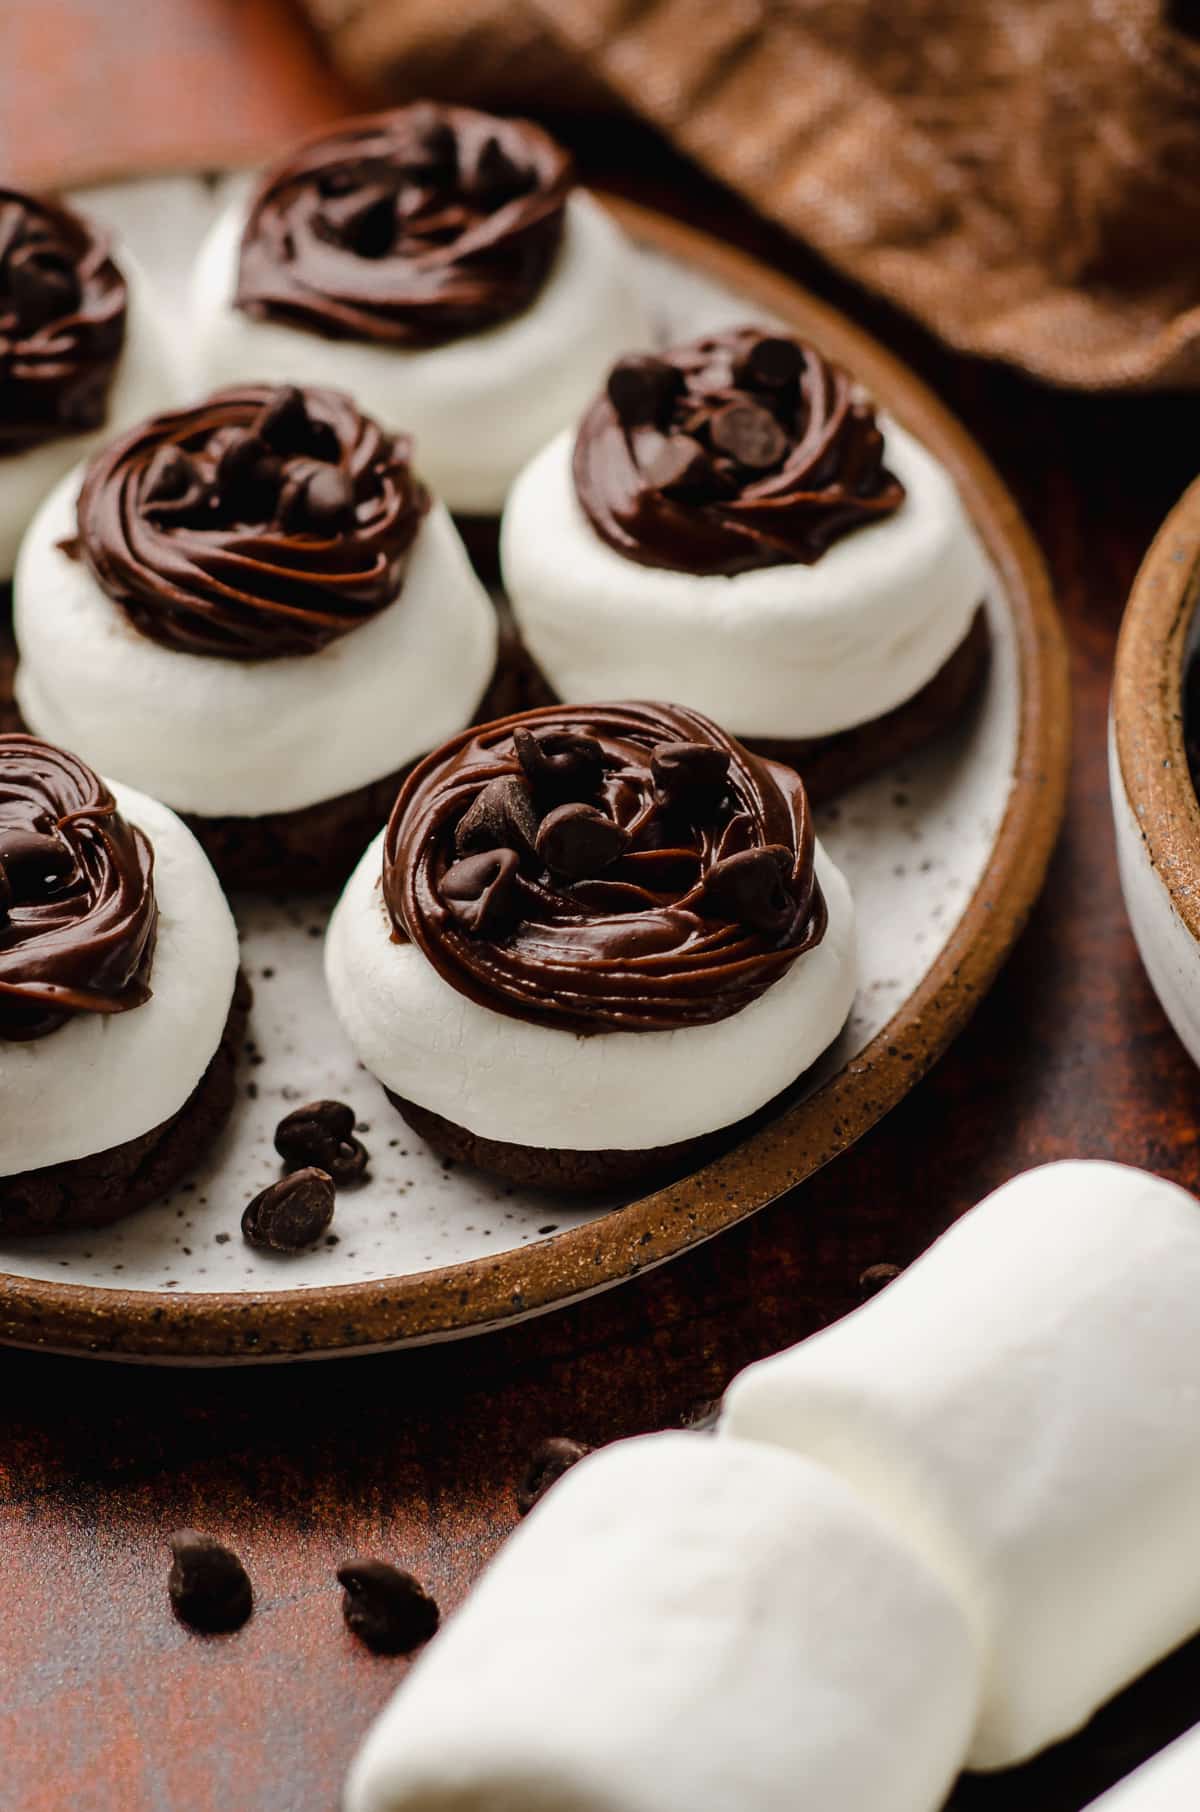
385,1607
547,1465
689,774
208,1585
641,389
751,888
577,841
36,863
681,468
876,1278
560,764
43,284
768,363
321,1133
481,892
291,1214
749,434
501,817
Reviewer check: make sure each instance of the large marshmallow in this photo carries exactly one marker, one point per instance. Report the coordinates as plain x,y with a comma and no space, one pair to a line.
1168,1783
1021,1405
685,1624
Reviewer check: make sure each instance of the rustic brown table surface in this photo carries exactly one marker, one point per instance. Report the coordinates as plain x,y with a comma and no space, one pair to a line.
106,1704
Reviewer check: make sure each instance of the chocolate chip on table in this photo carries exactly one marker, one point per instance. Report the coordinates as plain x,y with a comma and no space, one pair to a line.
749,434
43,284
577,841
209,1587
385,1607
321,1133
35,863
559,764
292,1214
546,1466
641,389
500,817
876,1278
481,892
768,363
681,468
689,773
751,888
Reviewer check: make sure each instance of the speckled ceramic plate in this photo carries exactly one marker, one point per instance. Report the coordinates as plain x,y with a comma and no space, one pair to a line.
945,855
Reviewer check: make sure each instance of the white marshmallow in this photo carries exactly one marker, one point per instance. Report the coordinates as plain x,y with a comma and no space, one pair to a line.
248,737
478,407
1169,1782
510,1079
1020,1404
101,1079
685,1624
787,651
149,377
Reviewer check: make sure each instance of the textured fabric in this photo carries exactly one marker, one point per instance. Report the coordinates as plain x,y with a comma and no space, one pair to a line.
1023,175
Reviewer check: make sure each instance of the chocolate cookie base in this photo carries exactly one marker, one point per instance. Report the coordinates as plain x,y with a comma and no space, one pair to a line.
830,765
93,1191
567,1172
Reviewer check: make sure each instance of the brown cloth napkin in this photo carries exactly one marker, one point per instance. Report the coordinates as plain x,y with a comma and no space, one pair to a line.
1023,175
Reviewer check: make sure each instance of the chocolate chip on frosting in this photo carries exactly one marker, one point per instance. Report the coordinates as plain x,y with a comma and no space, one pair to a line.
44,285
689,774
576,841
480,892
6,893
500,817
562,765
749,434
36,861
681,468
321,1133
752,888
641,389
767,362
385,1607
292,1214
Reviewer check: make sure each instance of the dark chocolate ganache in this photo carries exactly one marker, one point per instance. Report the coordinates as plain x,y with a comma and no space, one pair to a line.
62,323
604,868
408,228
738,451
78,917
263,522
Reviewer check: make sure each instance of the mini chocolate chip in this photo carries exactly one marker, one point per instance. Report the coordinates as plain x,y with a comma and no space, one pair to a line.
35,861
435,155
577,841
641,389
500,817
876,1278
363,220
691,774
495,177
283,423
559,764
327,501
248,474
322,1133
386,1608
749,434
44,285
5,893
681,468
173,485
547,1465
291,1214
209,1587
768,363
481,892
751,888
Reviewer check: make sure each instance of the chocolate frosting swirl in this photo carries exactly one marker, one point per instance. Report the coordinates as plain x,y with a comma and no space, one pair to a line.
62,322
737,451
262,522
78,919
408,228
599,868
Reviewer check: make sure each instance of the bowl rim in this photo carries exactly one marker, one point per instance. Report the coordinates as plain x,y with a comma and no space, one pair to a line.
1146,708
474,1297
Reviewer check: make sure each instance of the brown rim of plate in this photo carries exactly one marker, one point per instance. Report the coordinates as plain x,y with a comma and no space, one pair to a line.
1147,705
486,1293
